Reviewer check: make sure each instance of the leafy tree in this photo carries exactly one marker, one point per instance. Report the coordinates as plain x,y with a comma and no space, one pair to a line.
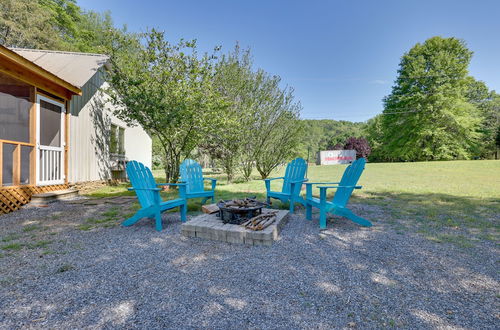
361,146
278,130
27,24
497,139
233,80
373,132
427,116
55,25
65,16
168,89
260,127
268,115
488,103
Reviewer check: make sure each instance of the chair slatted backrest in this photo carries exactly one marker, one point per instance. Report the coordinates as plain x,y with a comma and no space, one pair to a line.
350,178
192,174
295,171
141,177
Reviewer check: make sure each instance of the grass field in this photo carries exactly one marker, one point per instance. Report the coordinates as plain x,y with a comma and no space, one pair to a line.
455,201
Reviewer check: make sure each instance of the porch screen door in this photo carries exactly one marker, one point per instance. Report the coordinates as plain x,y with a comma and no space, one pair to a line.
50,141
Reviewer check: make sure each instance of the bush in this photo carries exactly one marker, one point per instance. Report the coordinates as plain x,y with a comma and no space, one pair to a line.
361,146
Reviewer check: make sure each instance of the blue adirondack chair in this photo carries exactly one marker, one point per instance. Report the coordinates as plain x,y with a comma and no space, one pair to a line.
292,183
149,197
192,175
338,205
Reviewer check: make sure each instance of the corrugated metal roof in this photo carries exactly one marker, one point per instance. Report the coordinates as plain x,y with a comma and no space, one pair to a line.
75,68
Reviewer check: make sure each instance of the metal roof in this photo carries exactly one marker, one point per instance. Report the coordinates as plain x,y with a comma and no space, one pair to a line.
74,68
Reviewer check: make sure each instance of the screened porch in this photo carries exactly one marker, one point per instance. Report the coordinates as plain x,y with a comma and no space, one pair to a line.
32,135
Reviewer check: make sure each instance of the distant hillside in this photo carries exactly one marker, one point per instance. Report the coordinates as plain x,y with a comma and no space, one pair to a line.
326,133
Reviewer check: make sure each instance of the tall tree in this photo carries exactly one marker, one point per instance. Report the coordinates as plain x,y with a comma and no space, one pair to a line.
375,136
168,89
55,25
233,80
427,116
27,24
278,129
488,104
260,127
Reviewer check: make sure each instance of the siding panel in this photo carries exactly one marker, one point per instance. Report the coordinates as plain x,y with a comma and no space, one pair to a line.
90,123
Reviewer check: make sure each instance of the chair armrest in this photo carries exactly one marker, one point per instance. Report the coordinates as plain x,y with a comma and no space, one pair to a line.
172,184
311,183
335,187
152,189
299,181
182,187
270,179
214,182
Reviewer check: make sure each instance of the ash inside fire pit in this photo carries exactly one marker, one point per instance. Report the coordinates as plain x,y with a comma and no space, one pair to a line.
237,211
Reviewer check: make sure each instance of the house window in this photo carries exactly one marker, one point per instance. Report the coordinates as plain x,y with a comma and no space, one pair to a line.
117,140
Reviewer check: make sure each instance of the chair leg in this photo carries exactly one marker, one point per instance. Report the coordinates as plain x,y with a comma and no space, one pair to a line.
158,219
322,208
308,211
345,212
292,205
213,199
183,212
322,218
268,200
204,200
136,217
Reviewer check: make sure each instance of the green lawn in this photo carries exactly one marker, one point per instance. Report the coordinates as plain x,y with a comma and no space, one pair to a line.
455,201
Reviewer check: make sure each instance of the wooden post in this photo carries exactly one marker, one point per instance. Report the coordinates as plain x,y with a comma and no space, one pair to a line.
16,169
1,163
33,136
66,139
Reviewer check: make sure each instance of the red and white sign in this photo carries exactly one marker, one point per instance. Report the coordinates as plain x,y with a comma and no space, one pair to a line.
333,157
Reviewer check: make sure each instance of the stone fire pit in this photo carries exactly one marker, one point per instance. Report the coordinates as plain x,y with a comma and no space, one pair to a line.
210,226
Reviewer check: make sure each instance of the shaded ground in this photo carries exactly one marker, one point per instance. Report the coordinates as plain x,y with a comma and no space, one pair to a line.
74,267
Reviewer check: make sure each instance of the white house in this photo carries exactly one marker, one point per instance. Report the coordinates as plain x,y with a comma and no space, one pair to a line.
57,126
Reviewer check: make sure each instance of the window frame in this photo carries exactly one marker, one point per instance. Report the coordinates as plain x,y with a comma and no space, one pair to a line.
119,135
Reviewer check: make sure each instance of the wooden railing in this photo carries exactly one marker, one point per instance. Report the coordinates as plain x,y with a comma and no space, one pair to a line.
16,162
51,171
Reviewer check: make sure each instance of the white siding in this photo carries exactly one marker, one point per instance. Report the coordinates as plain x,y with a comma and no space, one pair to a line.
91,118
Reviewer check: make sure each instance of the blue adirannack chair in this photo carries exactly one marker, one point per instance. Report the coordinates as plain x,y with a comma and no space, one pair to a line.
338,205
292,183
148,194
192,176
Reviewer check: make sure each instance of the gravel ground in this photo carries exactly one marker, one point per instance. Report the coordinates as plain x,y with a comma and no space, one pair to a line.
107,276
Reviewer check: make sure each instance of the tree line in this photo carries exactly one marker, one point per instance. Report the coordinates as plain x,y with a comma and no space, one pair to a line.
219,105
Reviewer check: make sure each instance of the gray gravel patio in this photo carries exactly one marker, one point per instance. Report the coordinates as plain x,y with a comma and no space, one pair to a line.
65,273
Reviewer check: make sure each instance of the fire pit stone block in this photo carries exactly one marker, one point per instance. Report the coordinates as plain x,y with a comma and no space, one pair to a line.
235,234
218,233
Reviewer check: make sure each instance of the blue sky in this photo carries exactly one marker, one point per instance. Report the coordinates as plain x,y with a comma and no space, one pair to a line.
341,57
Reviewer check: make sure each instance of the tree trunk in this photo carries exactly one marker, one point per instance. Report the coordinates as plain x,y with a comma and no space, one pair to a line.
228,168
246,168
